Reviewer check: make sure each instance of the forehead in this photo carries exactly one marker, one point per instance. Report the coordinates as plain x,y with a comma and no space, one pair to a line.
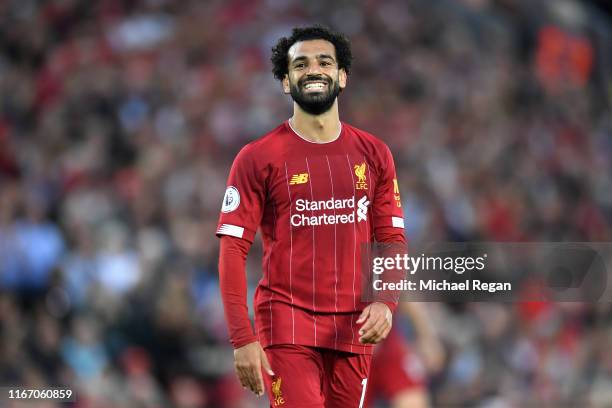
311,48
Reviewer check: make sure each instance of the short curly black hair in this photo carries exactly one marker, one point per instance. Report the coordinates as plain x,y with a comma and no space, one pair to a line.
280,62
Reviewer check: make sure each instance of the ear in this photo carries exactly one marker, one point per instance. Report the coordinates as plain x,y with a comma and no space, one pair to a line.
342,77
285,82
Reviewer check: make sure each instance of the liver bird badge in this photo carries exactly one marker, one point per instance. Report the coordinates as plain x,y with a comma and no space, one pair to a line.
277,394
360,172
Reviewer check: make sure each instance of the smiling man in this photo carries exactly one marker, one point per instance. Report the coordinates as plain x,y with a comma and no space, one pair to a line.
318,188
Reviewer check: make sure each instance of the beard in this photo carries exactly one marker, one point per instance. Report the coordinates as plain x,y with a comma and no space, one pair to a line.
315,103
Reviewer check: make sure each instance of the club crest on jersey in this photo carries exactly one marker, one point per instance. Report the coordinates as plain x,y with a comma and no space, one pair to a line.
301,178
360,171
231,199
277,394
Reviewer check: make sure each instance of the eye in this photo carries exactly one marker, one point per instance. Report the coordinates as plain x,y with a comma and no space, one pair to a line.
299,65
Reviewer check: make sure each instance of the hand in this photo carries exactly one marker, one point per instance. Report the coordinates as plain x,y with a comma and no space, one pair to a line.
248,361
378,320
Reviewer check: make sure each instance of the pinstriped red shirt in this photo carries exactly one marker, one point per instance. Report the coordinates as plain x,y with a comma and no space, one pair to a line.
315,203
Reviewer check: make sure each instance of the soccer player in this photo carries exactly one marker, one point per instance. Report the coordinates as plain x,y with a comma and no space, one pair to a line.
318,188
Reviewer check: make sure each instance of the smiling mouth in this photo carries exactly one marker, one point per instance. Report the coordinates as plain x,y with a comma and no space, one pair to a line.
314,85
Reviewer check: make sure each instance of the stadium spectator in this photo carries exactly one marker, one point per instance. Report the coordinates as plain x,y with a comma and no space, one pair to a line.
119,120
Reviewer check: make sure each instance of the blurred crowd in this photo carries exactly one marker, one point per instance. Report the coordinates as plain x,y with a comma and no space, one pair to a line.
119,120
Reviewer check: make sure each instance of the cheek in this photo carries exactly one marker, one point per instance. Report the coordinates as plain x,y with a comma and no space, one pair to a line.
291,81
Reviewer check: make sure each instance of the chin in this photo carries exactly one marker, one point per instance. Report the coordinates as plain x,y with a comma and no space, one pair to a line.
318,97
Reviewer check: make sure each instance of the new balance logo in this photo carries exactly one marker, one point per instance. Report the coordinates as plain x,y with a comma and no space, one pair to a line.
362,208
301,178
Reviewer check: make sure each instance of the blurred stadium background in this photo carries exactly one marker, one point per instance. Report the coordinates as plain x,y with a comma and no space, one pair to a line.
119,121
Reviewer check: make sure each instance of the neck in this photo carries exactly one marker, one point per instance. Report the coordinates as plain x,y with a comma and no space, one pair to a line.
321,128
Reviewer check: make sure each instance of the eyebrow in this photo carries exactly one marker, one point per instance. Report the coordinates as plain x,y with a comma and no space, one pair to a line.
319,56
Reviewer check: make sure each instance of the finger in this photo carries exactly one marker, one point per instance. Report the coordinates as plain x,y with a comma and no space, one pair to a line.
371,332
243,383
378,328
375,336
369,336
244,379
249,379
364,315
239,375
377,339
260,384
382,336
256,380
266,364
371,322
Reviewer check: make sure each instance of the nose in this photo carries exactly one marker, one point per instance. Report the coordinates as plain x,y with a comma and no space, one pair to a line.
314,68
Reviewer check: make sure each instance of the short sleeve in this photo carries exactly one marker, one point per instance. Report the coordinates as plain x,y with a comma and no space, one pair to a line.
243,202
387,206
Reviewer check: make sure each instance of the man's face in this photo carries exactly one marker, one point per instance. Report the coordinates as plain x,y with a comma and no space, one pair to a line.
314,79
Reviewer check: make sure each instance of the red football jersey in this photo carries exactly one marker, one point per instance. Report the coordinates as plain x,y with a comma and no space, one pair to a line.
316,203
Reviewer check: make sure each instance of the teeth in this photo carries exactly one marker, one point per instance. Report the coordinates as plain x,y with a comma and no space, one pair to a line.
315,85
